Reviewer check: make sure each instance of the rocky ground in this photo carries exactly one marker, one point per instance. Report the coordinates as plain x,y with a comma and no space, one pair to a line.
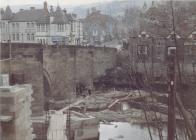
98,106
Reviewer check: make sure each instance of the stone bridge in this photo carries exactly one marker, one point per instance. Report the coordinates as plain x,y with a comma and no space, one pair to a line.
50,69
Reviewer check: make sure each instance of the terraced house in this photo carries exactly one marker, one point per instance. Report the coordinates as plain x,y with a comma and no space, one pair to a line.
41,26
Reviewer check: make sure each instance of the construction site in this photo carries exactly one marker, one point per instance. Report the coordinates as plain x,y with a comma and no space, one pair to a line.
144,90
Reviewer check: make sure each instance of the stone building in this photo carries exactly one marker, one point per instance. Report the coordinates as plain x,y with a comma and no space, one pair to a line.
99,27
190,46
15,112
40,26
149,54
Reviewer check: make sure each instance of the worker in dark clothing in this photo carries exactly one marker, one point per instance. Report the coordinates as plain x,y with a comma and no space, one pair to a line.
89,91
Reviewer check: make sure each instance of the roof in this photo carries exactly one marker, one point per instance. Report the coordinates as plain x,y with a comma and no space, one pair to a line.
60,17
37,15
98,18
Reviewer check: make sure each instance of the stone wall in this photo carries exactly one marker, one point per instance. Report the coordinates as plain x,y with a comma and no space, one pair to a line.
25,67
50,70
91,62
15,103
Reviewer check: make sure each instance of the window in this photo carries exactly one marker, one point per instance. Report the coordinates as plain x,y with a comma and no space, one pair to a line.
32,37
13,36
13,25
17,25
194,36
62,27
38,27
58,27
142,50
32,25
22,36
17,37
28,37
3,25
44,41
46,28
27,25
171,50
43,28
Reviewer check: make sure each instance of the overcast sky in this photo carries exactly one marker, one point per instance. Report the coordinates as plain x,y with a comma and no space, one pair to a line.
50,2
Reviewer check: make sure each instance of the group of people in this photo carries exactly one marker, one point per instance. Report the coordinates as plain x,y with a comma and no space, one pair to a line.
82,90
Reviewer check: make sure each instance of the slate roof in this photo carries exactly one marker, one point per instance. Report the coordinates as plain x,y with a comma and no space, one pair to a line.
37,15
99,19
60,17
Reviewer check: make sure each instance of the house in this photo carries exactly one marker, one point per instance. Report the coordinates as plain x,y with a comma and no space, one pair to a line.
41,26
99,27
190,46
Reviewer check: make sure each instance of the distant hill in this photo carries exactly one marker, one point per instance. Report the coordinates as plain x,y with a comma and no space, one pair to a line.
113,8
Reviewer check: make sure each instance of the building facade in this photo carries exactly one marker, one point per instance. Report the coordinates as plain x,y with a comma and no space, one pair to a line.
99,27
41,26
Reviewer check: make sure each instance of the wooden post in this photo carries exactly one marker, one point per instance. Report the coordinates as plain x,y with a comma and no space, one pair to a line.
172,95
172,84
152,58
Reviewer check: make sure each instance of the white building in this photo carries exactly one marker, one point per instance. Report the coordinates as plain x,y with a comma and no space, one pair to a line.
40,26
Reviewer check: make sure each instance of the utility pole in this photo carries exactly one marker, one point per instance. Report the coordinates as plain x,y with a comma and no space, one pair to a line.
172,95
10,57
92,70
152,57
172,85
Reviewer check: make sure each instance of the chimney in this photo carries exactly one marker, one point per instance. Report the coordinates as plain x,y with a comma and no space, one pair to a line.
65,11
51,9
45,6
32,8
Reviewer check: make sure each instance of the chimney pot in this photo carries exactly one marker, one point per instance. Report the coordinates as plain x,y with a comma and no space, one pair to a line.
32,8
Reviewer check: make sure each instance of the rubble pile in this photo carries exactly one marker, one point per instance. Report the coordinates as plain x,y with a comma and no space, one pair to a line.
95,103
98,105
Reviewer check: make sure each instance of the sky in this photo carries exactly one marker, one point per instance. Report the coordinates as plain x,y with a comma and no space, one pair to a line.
50,2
